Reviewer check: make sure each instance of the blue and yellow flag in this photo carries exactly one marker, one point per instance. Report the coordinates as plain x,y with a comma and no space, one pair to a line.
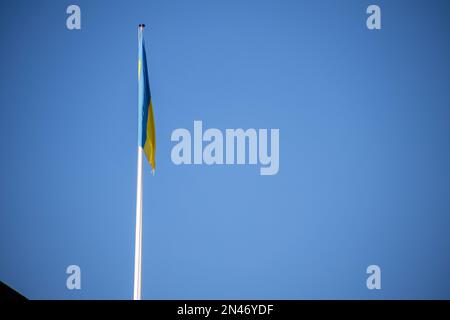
146,130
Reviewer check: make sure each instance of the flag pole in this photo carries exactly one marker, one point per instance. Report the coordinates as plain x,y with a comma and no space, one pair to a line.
138,239
138,232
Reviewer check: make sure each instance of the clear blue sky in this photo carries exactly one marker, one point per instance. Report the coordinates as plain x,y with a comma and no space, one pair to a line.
364,149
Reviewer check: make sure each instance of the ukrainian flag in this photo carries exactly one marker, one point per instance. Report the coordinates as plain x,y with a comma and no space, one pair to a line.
146,130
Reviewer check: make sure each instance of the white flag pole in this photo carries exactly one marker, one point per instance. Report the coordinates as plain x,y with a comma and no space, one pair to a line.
138,239
138,233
